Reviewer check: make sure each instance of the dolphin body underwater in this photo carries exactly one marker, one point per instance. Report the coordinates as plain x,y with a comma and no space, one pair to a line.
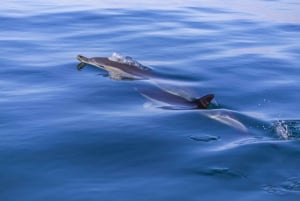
126,68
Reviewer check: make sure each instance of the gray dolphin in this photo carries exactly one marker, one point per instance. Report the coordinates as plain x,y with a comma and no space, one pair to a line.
117,69
177,102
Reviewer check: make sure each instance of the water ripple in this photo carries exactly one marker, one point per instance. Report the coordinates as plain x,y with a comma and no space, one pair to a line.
72,135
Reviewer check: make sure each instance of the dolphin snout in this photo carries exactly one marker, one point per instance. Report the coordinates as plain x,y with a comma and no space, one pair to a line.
82,58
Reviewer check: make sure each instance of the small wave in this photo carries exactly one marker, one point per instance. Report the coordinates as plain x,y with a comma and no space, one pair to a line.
222,172
291,185
205,138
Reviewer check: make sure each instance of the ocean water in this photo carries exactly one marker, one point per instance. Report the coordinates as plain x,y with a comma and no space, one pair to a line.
79,135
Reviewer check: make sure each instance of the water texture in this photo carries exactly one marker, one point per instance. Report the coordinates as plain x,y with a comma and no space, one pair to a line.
79,135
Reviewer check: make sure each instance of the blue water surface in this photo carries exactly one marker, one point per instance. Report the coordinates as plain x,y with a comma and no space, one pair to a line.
79,135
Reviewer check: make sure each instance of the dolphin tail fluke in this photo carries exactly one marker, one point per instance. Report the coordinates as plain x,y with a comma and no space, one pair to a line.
203,102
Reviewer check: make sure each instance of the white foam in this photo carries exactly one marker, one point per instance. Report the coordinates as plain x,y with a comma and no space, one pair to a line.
281,129
126,60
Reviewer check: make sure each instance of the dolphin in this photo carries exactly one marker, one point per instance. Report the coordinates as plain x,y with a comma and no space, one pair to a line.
173,101
118,67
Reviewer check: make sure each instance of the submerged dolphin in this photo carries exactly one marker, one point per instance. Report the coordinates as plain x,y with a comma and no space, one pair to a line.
118,67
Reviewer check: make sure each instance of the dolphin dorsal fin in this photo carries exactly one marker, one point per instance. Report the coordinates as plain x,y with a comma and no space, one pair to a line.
204,101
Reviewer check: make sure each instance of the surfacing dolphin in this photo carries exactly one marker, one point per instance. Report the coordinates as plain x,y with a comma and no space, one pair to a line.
118,67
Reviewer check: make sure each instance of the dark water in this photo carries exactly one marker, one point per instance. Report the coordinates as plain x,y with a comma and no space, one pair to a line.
70,135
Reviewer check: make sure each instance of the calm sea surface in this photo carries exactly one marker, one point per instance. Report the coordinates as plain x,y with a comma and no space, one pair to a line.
78,135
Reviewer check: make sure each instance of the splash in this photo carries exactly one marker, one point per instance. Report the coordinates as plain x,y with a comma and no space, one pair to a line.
287,129
127,60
